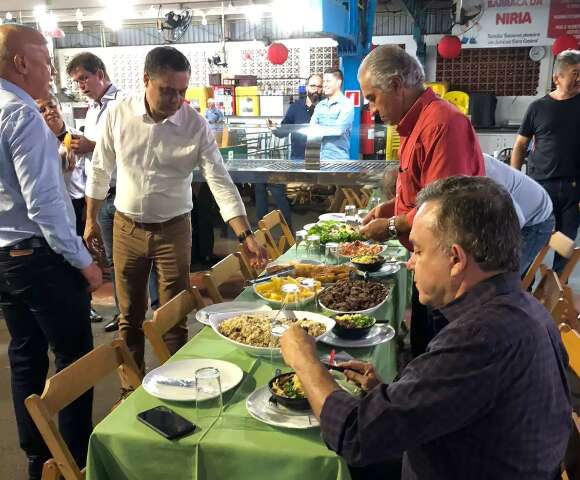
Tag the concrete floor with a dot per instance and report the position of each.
(12, 459)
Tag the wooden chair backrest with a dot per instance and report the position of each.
(276, 219)
(69, 384)
(571, 340)
(221, 272)
(265, 240)
(562, 245)
(549, 291)
(169, 315)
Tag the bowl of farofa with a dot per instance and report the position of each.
(251, 331)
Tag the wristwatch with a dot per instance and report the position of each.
(245, 234)
(392, 228)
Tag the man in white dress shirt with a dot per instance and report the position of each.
(155, 141)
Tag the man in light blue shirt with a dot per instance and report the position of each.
(532, 204)
(334, 116)
(45, 270)
(213, 115)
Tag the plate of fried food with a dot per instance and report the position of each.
(325, 274)
(359, 248)
(272, 291)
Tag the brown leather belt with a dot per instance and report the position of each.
(153, 226)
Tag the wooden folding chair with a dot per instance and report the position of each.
(223, 271)
(549, 291)
(562, 245)
(264, 239)
(68, 385)
(169, 315)
(276, 219)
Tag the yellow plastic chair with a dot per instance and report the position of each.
(459, 99)
(393, 143)
(439, 88)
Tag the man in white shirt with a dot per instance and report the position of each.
(89, 72)
(155, 141)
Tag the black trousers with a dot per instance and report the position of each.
(565, 195)
(79, 206)
(202, 215)
(45, 303)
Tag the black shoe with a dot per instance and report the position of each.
(113, 325)
(95, 317)
(211, 260)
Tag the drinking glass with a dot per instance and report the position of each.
(361, 214)
(350, 215)
(331, 253)
(208, 398)
(309, 284)
(313, 247)
(300, 239)
(374, 202)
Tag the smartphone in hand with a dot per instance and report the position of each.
(166, 422)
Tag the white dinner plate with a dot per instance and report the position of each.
(204, 315)
(337, 217)
(230, 376)
(380, 333)
(260, 408)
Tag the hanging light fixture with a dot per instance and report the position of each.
(79, 16)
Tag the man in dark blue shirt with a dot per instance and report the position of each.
(489, 398)
(297, 117)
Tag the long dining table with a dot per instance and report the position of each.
(232, 445)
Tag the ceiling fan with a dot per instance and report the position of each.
(173, 26)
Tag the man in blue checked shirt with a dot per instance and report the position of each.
(334, 116)
(489, 398)
(46, 273)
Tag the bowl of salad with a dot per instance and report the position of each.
(368, 263)
(353, 326)
(333, 231)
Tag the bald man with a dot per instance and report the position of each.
(46, 273)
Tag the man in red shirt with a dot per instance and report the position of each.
(437, 141)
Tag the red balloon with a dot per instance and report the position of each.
(564, 42)
(449, 46)
(277, 53)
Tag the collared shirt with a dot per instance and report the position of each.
(215, 117)
(437, 141)
(297, 118)
(335, 116)
(155, 163)
(95, 121)
(532, 203)
(488, 400)
(33, 197)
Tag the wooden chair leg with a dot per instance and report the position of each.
(50, 470)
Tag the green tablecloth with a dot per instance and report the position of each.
(235, 445)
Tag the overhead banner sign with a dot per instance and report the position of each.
(564, 18)
(505, 23)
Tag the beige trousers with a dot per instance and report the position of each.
(136, 247)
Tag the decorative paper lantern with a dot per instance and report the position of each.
(449, 46)
(277, 53)
(564, 42)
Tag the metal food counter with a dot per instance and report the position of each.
(327, 172)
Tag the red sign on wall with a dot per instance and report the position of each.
(564, 18)
(354, 95)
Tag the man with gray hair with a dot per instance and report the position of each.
(458, 410)
(437, 141)
(553, 121)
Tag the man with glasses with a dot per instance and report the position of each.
(89, 72)
(297, 117)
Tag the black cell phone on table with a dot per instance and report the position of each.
(166, 422)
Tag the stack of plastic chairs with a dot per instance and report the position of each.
(393, 143)
(459, 99)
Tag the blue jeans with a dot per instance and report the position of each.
(45, 305)
(106, 218)
(534, 238)
(565, 195)
(278, 194)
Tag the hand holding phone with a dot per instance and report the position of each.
(166, 422)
